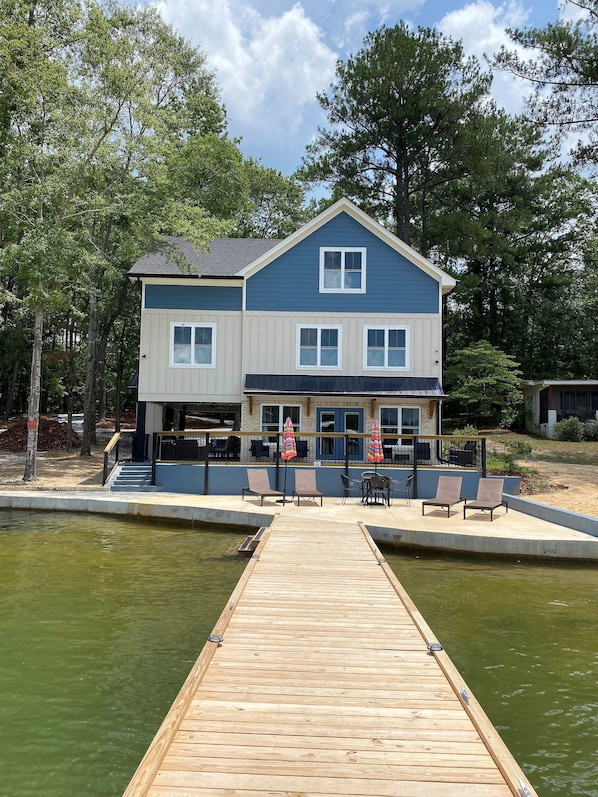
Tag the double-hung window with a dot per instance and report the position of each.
(318, 346)
(399, 420)
(275, 415)
(193, 345)
(386, 347)
(342, 270)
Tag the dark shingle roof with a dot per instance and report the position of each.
(225, 258)
(406, 386)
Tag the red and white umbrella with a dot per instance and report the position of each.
(375, 451)
(289, 450)
(289, 447)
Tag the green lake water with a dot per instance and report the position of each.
(101, 620)
(523, 636)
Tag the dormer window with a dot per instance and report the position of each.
(342, 270)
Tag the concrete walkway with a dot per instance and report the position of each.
(512, 534)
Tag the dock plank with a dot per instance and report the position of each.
(323, 685)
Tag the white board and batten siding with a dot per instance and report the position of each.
(281, 331)
(160, 381)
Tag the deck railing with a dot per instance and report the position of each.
(350, 449)
(119, 449)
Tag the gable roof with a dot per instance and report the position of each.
(344, 205)
(242, 257)
(225, 257)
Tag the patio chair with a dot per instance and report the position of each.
(448, 493)
(422, 452)
(489, 497)
(403, 488)
(305, 485)
(378, 490)
(351, 486)
(259, 484)
(301, 446)
(259, 450)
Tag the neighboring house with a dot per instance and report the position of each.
(550, 400)
(338, 324)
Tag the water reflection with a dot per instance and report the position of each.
(523, 636)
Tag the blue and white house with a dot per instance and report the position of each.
(336, 325)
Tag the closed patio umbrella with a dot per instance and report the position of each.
(375, 451)
(289, 450)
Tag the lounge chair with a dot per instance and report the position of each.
(305, 485)
(448, 493)
(489, 497)
(259, 484)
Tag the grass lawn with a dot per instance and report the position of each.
(583, 453)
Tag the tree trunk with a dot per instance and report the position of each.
(89, 408)
(34, 397)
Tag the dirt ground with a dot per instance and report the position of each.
(573, 487)
(54, 470)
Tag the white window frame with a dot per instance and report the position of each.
(281, 417)
(319, 328)
(343, 250)
(399, 409)
(386, 328)
(193, 326)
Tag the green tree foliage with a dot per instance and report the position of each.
(483, 382)
(95, 100)
(563, 67)
(404, 117)
(516, 251)
(275, 204)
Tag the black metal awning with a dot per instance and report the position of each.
(291, 384)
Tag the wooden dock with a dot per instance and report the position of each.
(318, 681)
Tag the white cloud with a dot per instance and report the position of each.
(269, 68)
(481, 26)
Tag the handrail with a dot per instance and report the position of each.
(112, 446)
(113, 453)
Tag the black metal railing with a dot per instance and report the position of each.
(119, 449)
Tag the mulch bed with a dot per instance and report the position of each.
(52, 436)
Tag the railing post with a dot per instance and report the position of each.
(277, 463)
(154, 457)
(206, 472)
(415, 467)
(484, 460)
(346, 453)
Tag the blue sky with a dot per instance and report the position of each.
(272, 57)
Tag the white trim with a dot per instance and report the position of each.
(386, 328)
(299, 326)
(343, 251)
(281, 418)
(192, 325)
(399, 408)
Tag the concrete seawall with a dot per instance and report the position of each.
(518, 533)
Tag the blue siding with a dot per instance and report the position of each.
(193, 297)
(393, 283)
